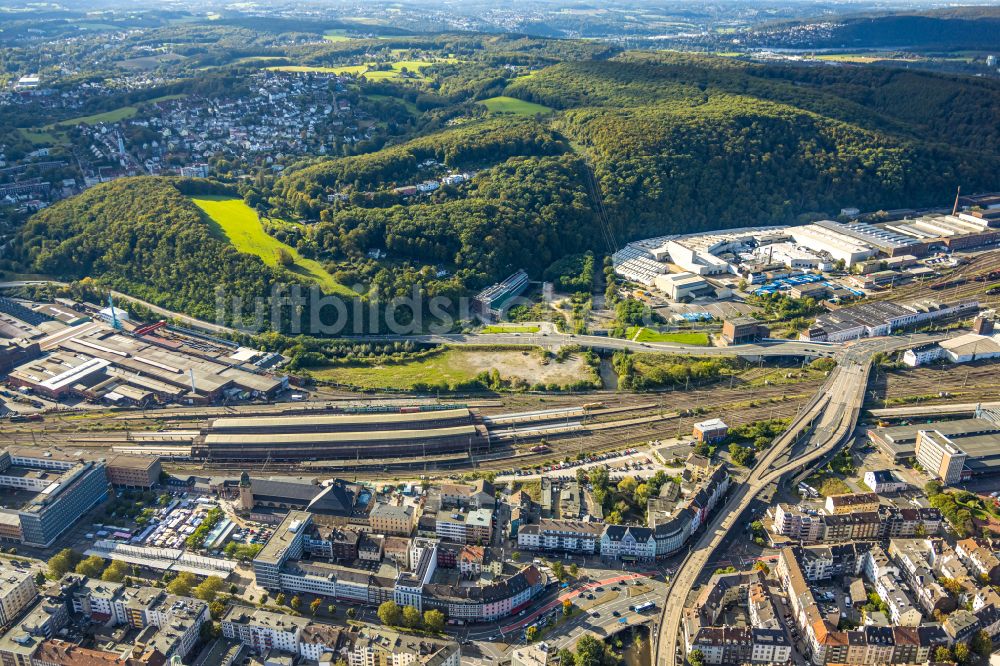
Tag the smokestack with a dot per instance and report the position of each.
(954, 209)
(194, 389)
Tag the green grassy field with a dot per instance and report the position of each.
(41, 137)
(683, 338)
(240, 224)
(338, 35)
(167, 98)
(344, 69)
(514, 106)
(411, 66)
(51, 134)
(456, 366)
(112, 116)
(509, 329)
(410, 106)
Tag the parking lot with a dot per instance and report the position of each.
(631, 461)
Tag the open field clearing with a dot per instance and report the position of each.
(112, 116)
(509, 329)
(343, 69)
(244, 230)
(338, 35)
(410, 106)
(457, 366)
(40, 137)
(398, 70)
(514, 106)
(681, 337)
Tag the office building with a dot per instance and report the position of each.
(66, 489)
(710, 431)
(133, 471)
(743, 330)
(940, 456)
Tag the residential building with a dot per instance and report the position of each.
(850, 503)
(475, 526)
(628, 543)
(55, 652)
(902, 611)
(884, 481)
(392, 519)
(17, 592)
(262, 630)
(980, 559)
(561, 536)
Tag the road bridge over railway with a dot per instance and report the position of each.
(825, 423)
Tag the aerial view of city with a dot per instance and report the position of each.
(541, 333)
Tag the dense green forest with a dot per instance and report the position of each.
(668, 142)
(303, 190)
(143, 237)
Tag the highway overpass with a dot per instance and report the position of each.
(827, 421)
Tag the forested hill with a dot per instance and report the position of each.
(949, 29)
(676, 143)
(682, 143)
(143, 237)
(473, 144)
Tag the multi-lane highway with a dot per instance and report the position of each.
(826, 422)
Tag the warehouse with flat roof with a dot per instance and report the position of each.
(342, 422)
(979, 438)
(341, 445)
(97, 363)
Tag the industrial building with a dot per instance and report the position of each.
(982, 343)
(828, 241)
(956, 232)
(15, 352)
(96, 363)
(493, 301)
(635, 264)
(886, 241)
(712, 430)
(882, 318)
(680, 286)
